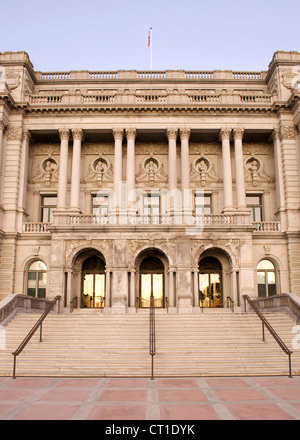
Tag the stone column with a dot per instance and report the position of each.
(172, 159)
(171, 288)
(132, 288)
(196, 287)
(279, 178)
(239, 169)
(75, 183)
(185, 169)
(2, 127)
(227, 175)
(63, 169)
(24, 171)
(130, 166)
(107, 288)
(118, 136)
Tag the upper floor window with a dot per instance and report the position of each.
(48, 204)
(151, 207)
(255, 204)
(203, 204)
(100, 204)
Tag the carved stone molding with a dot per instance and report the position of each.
(131, 133)
(64, 134)
(172, 133)
(238, 133)
(287, 132)
(118, 133)
(225, 133)
(14, 133)
(77, 134)
(185, 133)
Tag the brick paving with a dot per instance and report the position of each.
(203, 398)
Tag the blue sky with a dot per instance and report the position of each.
(63, 35)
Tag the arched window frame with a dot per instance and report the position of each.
(270, 289)
(38, 277)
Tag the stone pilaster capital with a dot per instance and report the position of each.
(26, 135)
(118, 133)
(77, 134)
(130, 133)
(287, 131)
(238, 133)
(275, 134)
(2, 126)
(64, 134)
(14, 133)
(224, 133)
(172, 133)
(185, 133)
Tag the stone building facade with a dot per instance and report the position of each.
(116, 185)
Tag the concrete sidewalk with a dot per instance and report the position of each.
(205, 398)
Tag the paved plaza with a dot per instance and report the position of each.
(197, 398)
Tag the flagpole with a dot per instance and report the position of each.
(150, 37)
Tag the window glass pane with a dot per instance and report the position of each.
(261, 278)
(266, 265)
(38, 265)
(41, 293)
(262, 291)
(42, 279)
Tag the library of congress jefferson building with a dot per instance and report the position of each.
(119, 185)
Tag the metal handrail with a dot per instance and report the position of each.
(152, 342)
(271, 330)
(38, 324)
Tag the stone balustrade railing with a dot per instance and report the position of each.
(267, 226)
(150, 97)
(150, 74)
(165, 219)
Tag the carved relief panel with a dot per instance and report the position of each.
(204, 167)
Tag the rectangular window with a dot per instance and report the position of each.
(48, 204)
(203, 203)
(255, 204)
(100, 204)
(151, 208)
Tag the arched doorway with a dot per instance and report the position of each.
(151, 281)
(93, 282)
(210, 282)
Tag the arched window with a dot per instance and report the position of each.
(37, 279)
(266, 279)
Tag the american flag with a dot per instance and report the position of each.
(149, 37)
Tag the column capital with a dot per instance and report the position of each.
(130, 133)
(225, 133)
(77, 134)
(64, 134)
(238, 133)
(185, 133)
(118, 133)
(172, 133)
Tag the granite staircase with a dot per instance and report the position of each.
(88, 343)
